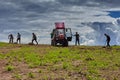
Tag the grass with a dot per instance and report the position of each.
(69, 63)
(31, 75)
(9, 68)
(17, 77)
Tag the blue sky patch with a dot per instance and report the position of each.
(114, 14)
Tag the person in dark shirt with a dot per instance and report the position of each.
(34, 38)
(18, 38)
(77, 38)
(107, 40)
(10, 37)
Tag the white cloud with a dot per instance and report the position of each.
(88, 42)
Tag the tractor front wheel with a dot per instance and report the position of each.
(65, 43)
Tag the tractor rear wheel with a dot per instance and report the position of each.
(53, 43)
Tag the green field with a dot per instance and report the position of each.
(44, 62)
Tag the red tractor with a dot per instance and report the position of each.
(61, 35)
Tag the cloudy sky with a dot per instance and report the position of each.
(90, 18)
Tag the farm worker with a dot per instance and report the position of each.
(18, 38)
(10, 37)
(107, 40)
(34, 38)
(77, 38)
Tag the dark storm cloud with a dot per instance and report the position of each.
(22, 11)
(91, 3)
(36, 6)
(24, 7)
(72, 2)
(12, 7)
(111, 3)
(32, 8)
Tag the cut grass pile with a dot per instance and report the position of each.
(44, 62)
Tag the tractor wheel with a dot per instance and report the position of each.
(65, 43)
(53, 43)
